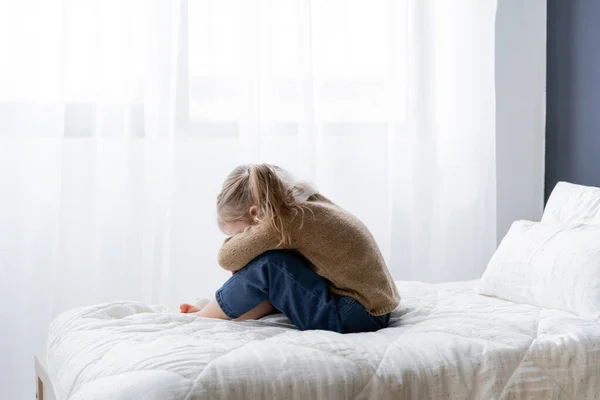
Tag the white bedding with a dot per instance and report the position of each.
(445, 342)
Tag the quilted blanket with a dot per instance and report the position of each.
(444, 342)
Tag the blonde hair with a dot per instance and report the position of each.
(273, 190)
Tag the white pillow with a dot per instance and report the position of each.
(547, 265)
(574, 204)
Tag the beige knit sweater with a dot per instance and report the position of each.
(339, 246)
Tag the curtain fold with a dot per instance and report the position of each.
(120, 119)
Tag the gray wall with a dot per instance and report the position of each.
(520, 110)
(573, 93)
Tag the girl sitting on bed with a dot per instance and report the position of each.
(293, 250)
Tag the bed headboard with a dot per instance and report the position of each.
(573, 93)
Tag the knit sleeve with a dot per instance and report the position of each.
(238, 250)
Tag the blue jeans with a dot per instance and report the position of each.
(286, 279)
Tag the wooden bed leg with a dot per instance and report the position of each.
(40, 389)
(43, 385)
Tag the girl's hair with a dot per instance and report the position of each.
(273, 190)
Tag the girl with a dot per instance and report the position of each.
(294, 251)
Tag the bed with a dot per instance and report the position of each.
(444, 342)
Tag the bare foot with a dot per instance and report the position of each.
(188, 308)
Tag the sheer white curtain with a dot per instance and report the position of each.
(120, 118)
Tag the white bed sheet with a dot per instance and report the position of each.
(444, 342)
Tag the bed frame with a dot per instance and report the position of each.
(44, 388)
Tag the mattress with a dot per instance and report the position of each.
(444, 342)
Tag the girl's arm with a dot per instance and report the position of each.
(238, 250)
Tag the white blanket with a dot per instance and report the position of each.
(444, 342)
